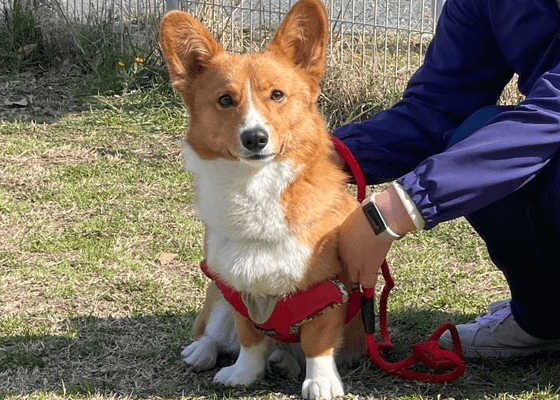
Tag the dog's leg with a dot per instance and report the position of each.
(214, 333)
(354, 349)
(251, 363)
(319, 340)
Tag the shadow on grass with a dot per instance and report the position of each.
(140, 357)
(48, 96)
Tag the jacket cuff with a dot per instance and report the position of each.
(410, 207)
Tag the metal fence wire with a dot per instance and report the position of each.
(386, 39)
(383, 41)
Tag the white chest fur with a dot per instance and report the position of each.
(248, 240)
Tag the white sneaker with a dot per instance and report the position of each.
(496, 334)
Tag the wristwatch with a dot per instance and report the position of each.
(377, 222)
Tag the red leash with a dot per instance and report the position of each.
(446, 365)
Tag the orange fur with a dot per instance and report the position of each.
(246, 332)
(320, 336)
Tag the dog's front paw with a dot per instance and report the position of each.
(201, 355)
(322, 380)
(322, 388)
(235, 376)
(248, 368)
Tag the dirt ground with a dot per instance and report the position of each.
(40, 96)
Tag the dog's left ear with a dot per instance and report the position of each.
(303, 38)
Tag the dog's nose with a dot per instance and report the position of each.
(254, 139)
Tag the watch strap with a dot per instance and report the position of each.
(377, 221)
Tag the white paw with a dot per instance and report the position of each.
(322, 380)
(321, 389)
(235, 376)
(248, 368)
(201, 355)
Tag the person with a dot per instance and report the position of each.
(452, 152)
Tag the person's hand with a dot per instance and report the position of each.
(361, 251)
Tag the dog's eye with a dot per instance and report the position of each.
(277, 95)
(225, 101)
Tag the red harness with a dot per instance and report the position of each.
(294, 310)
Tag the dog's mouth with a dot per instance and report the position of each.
(260, 156)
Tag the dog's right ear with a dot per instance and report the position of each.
(187, 47)
(303, 37)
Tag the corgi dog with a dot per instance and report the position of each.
(271, 198)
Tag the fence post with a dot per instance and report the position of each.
(171, 5)
(439, 6)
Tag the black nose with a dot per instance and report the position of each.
(254, 139)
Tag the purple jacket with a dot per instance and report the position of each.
(478, 46)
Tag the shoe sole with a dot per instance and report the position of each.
(472, 353)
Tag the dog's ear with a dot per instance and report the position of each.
(188, 48)
(303, 37)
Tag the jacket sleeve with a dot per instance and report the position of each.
(494, 161)
(464, 71)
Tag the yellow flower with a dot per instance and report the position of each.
(139, 60)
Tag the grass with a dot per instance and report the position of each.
(94, 203)
(89, 202)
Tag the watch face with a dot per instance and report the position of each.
(375, 218)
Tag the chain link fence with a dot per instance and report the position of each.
(385, 38)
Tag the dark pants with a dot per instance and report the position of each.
(522, 233)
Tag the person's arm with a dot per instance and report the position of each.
(463, 71)
(439, 97)
(493, 162)
(360, 250)
(513, 147)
